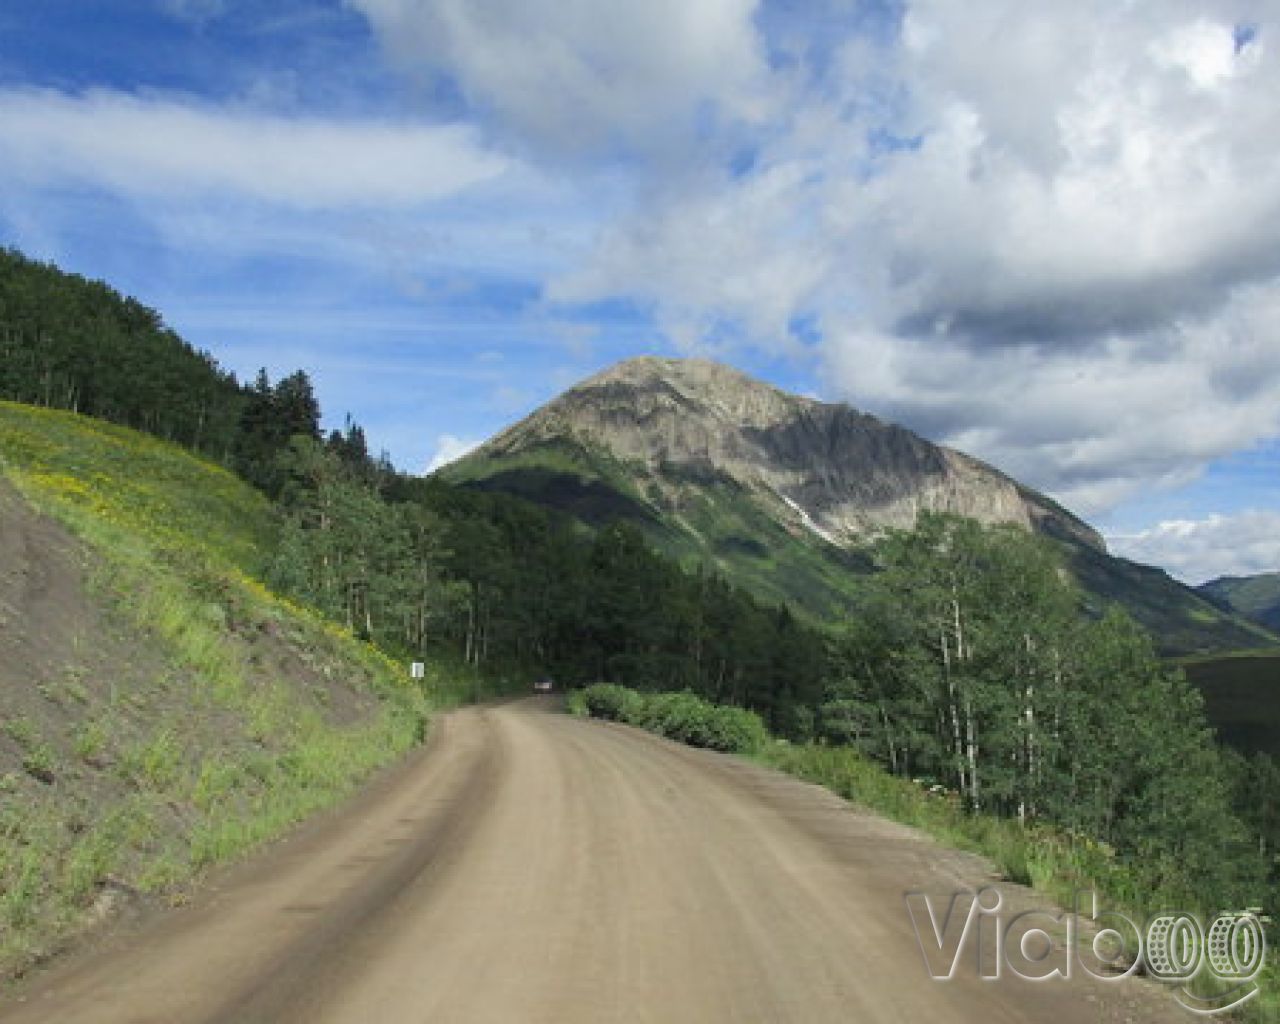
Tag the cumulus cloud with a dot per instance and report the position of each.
(706, 250)
(450, 448)
(156, 147)
(1197, 550)
(1094, 426)
(1042, 232)
(584, 76)
(1082, 170)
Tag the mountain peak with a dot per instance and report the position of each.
(715, 388)
(692, 371)
(693, 430)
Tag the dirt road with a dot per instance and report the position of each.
(530, 867)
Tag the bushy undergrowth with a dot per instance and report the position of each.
(609, 701)
(683, 717)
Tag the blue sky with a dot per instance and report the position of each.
(449, 210)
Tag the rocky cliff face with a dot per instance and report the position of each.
(821, 467)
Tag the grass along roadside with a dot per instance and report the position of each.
(1042, 857)
(241, 714)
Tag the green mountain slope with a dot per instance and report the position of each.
(713, 521)
(782, 493)
(160, 709)
(1255, 597)
(1181, 619)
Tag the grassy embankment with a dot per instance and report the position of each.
(232, 713)
(1047, 859)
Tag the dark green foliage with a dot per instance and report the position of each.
(272, 417)
(1242, 698)
(537, 594)
(611, 702)
(70, 343)
(591, 501)
(372, 565)
(689, 719)
(1256, 789)
(1180, 620)
(974, 668)
(683, 717)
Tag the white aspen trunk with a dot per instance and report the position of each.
(471, 618)
(952, 708)
(971, 751)
(1029, 714)
(962, 654)
(888, 736)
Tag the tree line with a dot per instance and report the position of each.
(70, 343)
(67, 342)
(515, 590)
(972, 666)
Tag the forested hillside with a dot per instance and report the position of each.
(70, 343)
(516, 590)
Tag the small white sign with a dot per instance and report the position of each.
(418, 670)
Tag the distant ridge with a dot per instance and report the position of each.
(1256, 597)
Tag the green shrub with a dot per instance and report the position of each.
(612, 702)
(90, 738)
(39, 762)
(684, 717)
(155, 764)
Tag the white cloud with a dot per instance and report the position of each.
(1095, 426)
(153, 147)
(450, 448)
(1203, 549)
(582, 76)
(705, 249)
(1042, 232)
